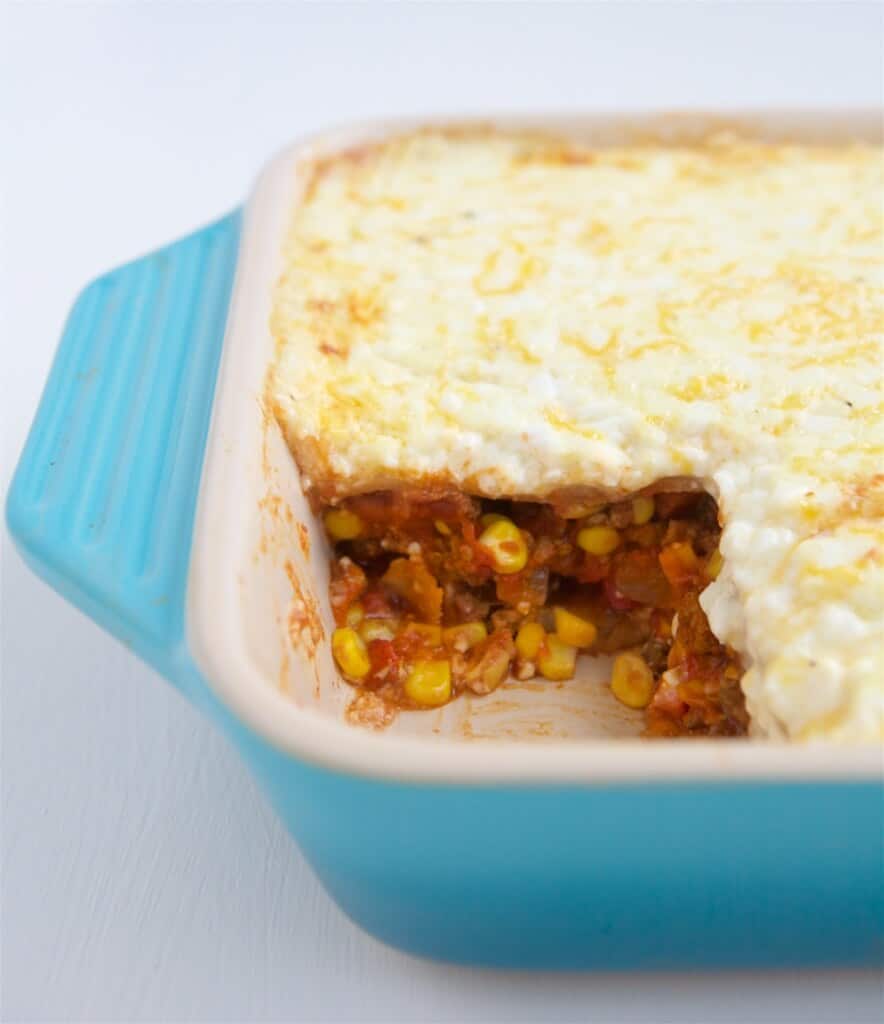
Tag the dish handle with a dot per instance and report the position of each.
(102, 501)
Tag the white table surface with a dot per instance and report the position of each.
(143, 877)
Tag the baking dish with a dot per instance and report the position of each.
(528, 829)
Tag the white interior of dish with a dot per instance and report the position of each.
(252, 583)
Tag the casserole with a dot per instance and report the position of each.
(527, 831)
(517, 371)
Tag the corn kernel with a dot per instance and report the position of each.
(442, 527)
(342, 524)
(506, 545)
(378, 629)
(714, 565)
(632, 681)
(571, 629)
(556, 660)
(350, 654)
(642, 510)
(432, 634)
(491, 517)
(598, 540)
(528, 640)
(464, 637)
(429, 683)
(355, 614)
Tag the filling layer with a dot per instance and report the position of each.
(434, 595)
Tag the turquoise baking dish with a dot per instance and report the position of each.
(156, 494)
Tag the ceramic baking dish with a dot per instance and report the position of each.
(528, 828)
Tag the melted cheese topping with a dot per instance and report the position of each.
(512, 316)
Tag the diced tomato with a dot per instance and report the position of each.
(377, 604)
(381, 654)
(528, 586)
(615, 599)
(667, 701)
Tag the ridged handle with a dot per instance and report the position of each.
(103, 499)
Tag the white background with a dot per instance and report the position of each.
(143, 877)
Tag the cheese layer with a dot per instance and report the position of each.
(514, 315)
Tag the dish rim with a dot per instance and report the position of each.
(309, 734)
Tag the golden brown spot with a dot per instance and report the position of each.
(794, 401)
(331, 350)
(659, 346)
(364, 308)
(506, 271)
(609, 349)
(600, 237)
(560, 423)
(709, 387)
(504, 334)
(552, 151)
(862, 499)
